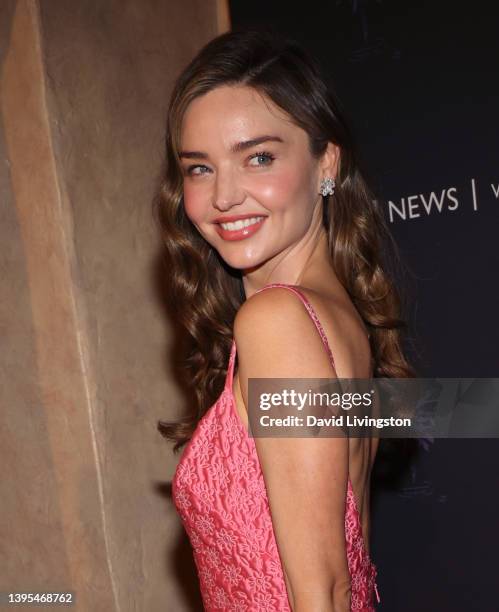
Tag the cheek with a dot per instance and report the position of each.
(290, 188)
(194, 203)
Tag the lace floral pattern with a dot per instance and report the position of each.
(220, 495)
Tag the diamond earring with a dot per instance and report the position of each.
(327, 186)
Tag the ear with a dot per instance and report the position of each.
(329, 161)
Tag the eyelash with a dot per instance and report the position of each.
(258, 154)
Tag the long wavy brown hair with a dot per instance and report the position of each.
(205, 294)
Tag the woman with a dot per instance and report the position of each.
(263, 211)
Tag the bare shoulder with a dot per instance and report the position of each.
(276, 337)
(269, 307)
(275, 325)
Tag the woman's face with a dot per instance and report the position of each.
(251, 184)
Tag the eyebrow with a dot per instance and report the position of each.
(236, 148)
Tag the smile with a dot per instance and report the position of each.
(237, 225)
(240, 229)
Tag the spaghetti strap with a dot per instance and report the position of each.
(230, 367)
(313, 316)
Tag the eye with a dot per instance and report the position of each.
(267, 158)
(190, 170)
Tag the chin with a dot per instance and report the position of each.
(240, 261)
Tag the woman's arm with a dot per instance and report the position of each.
(306, 478)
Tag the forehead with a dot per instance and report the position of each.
(231, 113)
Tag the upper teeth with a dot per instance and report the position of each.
(237, 225)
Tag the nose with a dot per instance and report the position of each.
(227, 190)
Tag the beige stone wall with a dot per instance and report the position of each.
(84, 372)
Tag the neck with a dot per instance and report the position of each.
(291, 267)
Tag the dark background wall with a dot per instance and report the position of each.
(419, 83)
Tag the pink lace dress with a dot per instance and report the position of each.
(219, 492)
